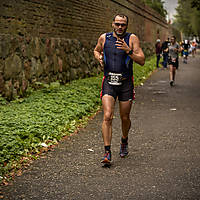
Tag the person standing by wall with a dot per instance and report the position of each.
(174, 49)
(116, 52)
(158, 52)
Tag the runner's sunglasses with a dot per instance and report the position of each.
(122, 25)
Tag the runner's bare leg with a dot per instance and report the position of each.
(125, 108)
(108, 109)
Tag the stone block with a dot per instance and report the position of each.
(73, 74)
(39, 68)
(2, 88)
(8, 90)
(5, 47)
(27, 69)
(13, 66)
(1, 66)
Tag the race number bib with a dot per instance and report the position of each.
(114, 78)
(173, 60)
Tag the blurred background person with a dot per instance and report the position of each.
(185, 48)
(174, 49)
(193, 48)
(158, 52)
(165, 52)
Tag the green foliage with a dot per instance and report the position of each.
(195, 4)
(157, 5)
(2, 100)
(46, 115)
(50, 113)
(141, 73)
(188, 17)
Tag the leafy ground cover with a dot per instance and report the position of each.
(48, 114)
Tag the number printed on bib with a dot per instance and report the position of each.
(114, 78)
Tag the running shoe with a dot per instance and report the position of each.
(107, 158)
(123, 150)
(171, 83)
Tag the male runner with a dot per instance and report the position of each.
(116, 52)
(174, 49)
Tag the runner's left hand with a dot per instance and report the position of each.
(121, 44)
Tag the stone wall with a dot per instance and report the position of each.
(49, 40)
(27, 60)
(80, 19)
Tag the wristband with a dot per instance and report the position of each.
(130, 52)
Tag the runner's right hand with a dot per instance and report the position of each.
(101, 61)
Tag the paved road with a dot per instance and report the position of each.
(164, 146)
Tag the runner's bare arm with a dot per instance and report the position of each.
(137, 55)
(179, 49)
(98, 50)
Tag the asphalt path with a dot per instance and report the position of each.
(164, 150)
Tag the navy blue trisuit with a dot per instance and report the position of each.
(117, 61)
